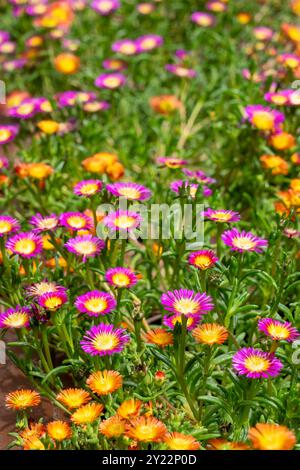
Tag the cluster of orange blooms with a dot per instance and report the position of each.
(128, 423)
(104, 163)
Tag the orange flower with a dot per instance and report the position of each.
(67, 63)
(243, 18)
(282, 141)
(104, 382)
(33, 430)
(53, 262)
(295, 185)
(37, 171)
(99, 162)
(295, 158)
(276, 164)
(179, 441)
(33, 443)
(165, 104)
(48, 126)
(160, 337)
(146, 429)
(15, 98)
(271, 437)
(57, 14)
(22, 399)
(59, 430)
(129, 408)
(87, 413)
(222, 444)
(210, 333)
(115, 171)
(73, 397)
(112, 427)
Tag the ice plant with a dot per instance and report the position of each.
(8, 133)
(121, 277)
(86, 246)
(53, 300)
(112, 427)
(18, 317)
(129, 408)
(122, 220)
(104, 339)
(73, 397)
(8, 225)
(131, 191)
(37, 289)
(22, 399)
(44, 223)
(187, 302)
(110, 80)
(191, 321)
(210, 333)
(278, 330)
(75, 221)
(160, 337)
(203, 259)
(25, 244)
(203, 19)
(95, 303)
(221, 215)
(59, 430)
(87, 188)
(146, 429)
(104, 382)
(243, 241)
(180, 441)
(87, 413)
(254, 363)
(264, 118)
(265, 436)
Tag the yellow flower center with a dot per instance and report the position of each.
(120, 279)
(148, 43)
(202, 261)
(222, 216)
(105, 6)
(89, 188)
(4, 134)
(278, 331)
(25, 246)
(124, 221)
(130, 193)
(96, 304)
(5, 226)
(243, 243)
(25, 109)
(112, 82)
(16, 320)
(105, 342)
(263, 120)
(186, 306)
(256, 364)
(279, 99)
(76, 221)
(85, 248)
(128, 48)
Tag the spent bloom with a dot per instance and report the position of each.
(43, 223)
(243, 241)
(104, 339)
(278, 330)
(254, 363)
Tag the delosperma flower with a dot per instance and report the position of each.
(172, 162)
(223, 444)
(179, 441)
(146, 429)
(73, 397)
(87, 188)
(264, 118)
(269, 436)
(53, 300)
(255, 364)
(160, 337)
(263, 33)
(243, 241)
(104, 339)
(121, 277)
(105, 7)
(22, 399)
(104, 382)
(187, 302)
(180, 71)
(278, 330)
(210, 333)
(8, 133)
(122, 220)
(44, 223)
(8, 225)
(95, 303)
(191, 321)
(25, 244)
(203, 259)
(221, 215)
(129, 408)
(95, 106)
(3, 162)
(87, 413)
(110, 80)
(18, 317)
(148, 42)
(203, 19)
(59, 430)
(126, 47)
(112, 427)
(190, 188)
(86, 246)
(75, 221)
(131, 191)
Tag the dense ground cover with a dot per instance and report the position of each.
(142, 339)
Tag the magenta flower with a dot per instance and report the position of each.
(14, 64)
(148, 42)
(4, 36)
(95, 106)
(191, 321)
(105, 7)
(121, 277)
(8, 225)
(103, 340)
(25, 244)
(203, 19)
(280, 98)
(264, 118)
(25, 110)
(187, 302)
(3, 162)
(221, 215)
(263, 33)
(76, 221)
(43, 223)
(114, 64)
(181, 71)
(243, 241)
(95, 303)
(199, 176)
(190, 188)
(8, 133)
(18, 317)
(85, 245)
(278, 330)
(203, 259)
(53, 300)
(125, 46)
(256, 364)
(132, 191)
(71, 98)
(87, 188)
(172, 162)
(110, 80)
(216, 5)
(122, 220)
